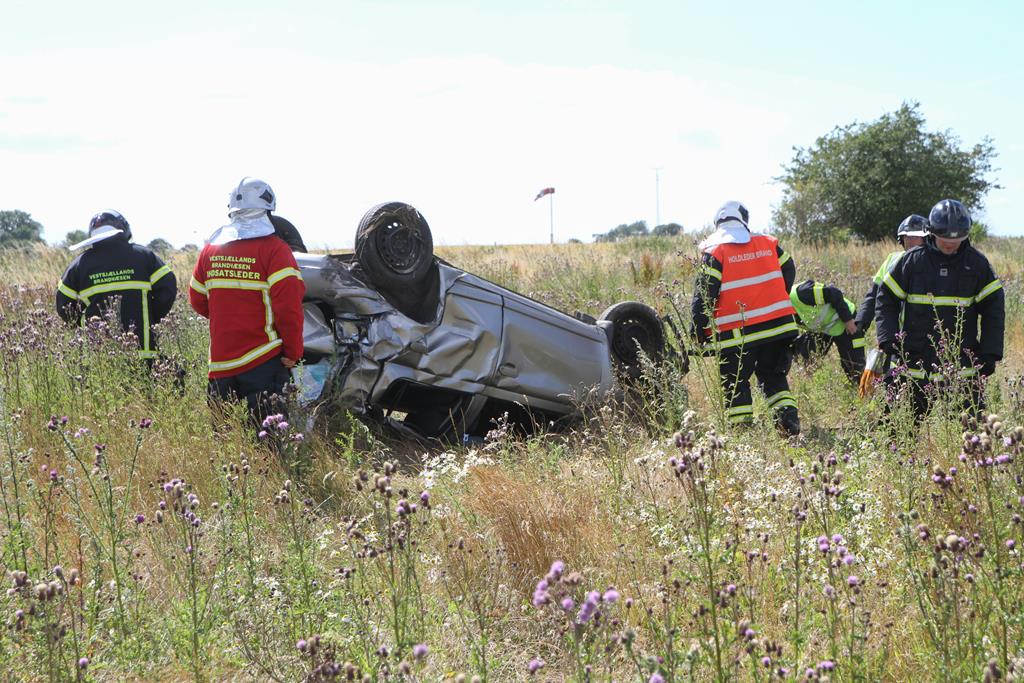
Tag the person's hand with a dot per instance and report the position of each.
(988, 366)
(851, 327)
(287, 362)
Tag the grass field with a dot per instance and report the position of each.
(145, 539)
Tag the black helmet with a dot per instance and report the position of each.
(113, 218)
(949, 219)
(912, 226)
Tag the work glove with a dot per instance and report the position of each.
(988, 366)
(871, 375)
(889, 348)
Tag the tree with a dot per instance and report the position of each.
(161, 246)
(74, 237)
(667, 230)
(17, 227)
(622, 231)
(190, 248)
(864, 178)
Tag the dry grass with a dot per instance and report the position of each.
(538, 520)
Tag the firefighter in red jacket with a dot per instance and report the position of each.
(248, 284)
(743, 284)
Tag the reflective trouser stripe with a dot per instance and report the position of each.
(738, 414)
(781, 399)
(858, 342)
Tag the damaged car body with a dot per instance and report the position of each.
(393, 330)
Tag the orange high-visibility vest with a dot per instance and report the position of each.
(753, 290)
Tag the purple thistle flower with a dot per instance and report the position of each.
(419, 651)
(568, 604)
(853, 581)
(140, 518)
(610, 596)
(827, 665)
(83, 663)
(302, 645)
(656, 678)
(766, 661)
(263, 434)
(283, 426)
(425, 497)
(556, 571)
(1011, 544)
(535, 665)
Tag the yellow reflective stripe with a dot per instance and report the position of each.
(223, 283)
(858, 342)
(819, 294)
(963, 373)
(268, 327)
(67, 291)
(159, 273)
(247, 358)
(781, 396)
(785, 257)
(932, 300)
(738, 339)
(894, 286)
(989, 288)
(282, 274)
(143, 353)
(713, 272)
(198, 286)
(740, 410)
(741, 418)
(124, 285)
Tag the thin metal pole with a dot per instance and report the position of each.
(551, 207)
(657, 196)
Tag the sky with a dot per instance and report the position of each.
(467, 109)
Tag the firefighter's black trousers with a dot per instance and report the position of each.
(770, 361)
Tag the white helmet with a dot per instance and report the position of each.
(732, 211)
(252, 193)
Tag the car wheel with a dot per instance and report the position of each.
(394, 246)
(635, 327)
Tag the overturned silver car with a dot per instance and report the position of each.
(401, 337)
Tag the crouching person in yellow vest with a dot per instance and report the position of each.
(741, 306)
(827, 318)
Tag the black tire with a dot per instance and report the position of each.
(635, 327)
(394, 246)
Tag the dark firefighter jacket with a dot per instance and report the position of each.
(117, 273)
(954, 297)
